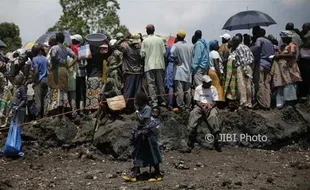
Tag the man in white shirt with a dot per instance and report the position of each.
(153, 51)
(205, 96)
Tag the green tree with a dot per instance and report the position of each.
(89, 16)
(9, 34)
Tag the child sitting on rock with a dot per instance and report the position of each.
(146, 151)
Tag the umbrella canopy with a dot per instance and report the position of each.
(45, 38)
(2, 44)
(28, 45)
(248, 20)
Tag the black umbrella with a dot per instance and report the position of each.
(45, 37)
(248, 20)
(2, 44)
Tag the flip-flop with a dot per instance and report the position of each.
(129, 179)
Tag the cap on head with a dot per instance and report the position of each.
(206, 79)
(150, 27)
(77, 37)
(225, 36)
(119, 35)
(181, 33)
(134, 39)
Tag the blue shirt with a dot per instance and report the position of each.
(201, 55)
(41, 63)
(264, 49)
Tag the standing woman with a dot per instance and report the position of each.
(216, 69)
(95, 78)
(58, 74)
(285, 71)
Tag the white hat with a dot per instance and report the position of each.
(119, 35)
(77, 37)
(112, 42)
(225, 36)
(206, 79)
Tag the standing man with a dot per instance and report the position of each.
(182, 55)
(40, 64)
(262, 50)
(201, 58)
(153, 51)
(132, 67)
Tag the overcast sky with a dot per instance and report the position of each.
(34, 17)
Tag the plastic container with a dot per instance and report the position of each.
(96, 40)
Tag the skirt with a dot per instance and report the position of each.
(94, 86)
(57, 98)
(217, 84)
(230, 81)
(285, 72)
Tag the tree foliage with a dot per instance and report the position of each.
(9, 34)
(89, 16)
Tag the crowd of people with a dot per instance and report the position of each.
(245, 71)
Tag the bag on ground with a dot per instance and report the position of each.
(13, 144)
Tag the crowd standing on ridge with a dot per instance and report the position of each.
(243, 72)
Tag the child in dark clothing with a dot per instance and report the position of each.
(146, 151)
(19, 99)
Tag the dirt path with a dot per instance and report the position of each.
(232, 169)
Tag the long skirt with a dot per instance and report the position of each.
(216, 82)
(57, 98)
(230, 85)
(94, 86)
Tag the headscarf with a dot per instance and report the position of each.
(213, 44)
(286, 34)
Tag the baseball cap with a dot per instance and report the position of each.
(206, 79)
(181, 33)
(77, 37)
(225, 36)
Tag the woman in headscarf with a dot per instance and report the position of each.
(58, 74)
(285, 71)
(216, 69)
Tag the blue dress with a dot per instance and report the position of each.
(145, 147)
(169, 78)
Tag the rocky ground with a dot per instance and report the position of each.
(64, 155)
(234, 168)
